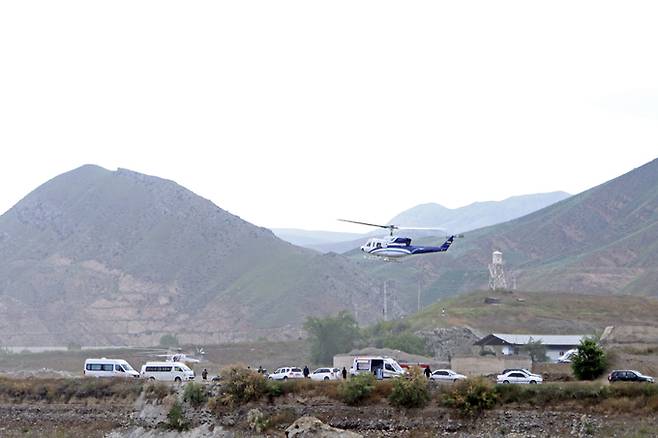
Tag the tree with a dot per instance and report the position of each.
(331, 335)
(536, 350)
(405, 341)
(169, 341)
(590, 361)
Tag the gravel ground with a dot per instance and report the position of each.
(380, 420)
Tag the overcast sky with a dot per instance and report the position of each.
(297, 113)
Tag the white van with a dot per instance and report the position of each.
(104, 367)
(371, 364)
(171, 371)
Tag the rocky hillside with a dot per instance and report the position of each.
(603, 240)
(120, 258)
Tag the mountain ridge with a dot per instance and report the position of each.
(453, 220)
(137, 256)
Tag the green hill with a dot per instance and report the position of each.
(603, 240)
(120, 258)
(537, 312)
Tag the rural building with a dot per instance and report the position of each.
(507, 344)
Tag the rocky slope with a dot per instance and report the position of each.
(104, 258)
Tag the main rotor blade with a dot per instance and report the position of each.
(422, 228)
(388, 227)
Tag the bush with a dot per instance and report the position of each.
(176, 419)
(157, 390)
(195, 394)
(242, 386)
(169, 341)
(357, 388)
(410, 393)
(590, 361)
(331, 335)
(471, 396)
(405, 341)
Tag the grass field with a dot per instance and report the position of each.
(538, 312)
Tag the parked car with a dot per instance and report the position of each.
(326, 374)
(286, 373)
(518, 377)
(108, 368)
(446, 376)
(167, 371)
(629, 376)
(384, 366)
(567, 357)
(521, 370)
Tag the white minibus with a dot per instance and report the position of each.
(170, 371)
(104, 367)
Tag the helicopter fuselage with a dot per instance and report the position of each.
(398, 247)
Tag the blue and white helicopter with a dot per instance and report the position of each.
(396, 247)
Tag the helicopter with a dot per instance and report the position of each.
(396, 247)
(178, 356)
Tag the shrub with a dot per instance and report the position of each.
(176, 419)
(169, 341)
(242, 386)
(157, 390)
(410, 393)
(471, 396)
(357, 388)
(590, 361)
(331, 335)
(195, 394)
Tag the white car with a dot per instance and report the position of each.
(286, 373)
(518, 377)
(446, 376)
(326, 374)
(568, 356)
(521, 370)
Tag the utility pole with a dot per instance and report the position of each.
(385, 302)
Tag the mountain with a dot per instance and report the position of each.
(454, 220)
(476, 215)
(120, 258)
(601, 241)
(312, 238)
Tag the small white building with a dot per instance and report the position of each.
(510, 344)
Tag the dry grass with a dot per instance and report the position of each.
(68, 390)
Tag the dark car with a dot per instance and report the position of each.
(629, 376)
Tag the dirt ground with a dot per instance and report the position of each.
(380, 420)
(270, 355)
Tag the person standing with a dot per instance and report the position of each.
(428, 372)
(344, 373)
(306, 372)
(204, 374)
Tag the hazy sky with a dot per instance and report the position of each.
(297, 113)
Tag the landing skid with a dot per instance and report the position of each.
(379, 258)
